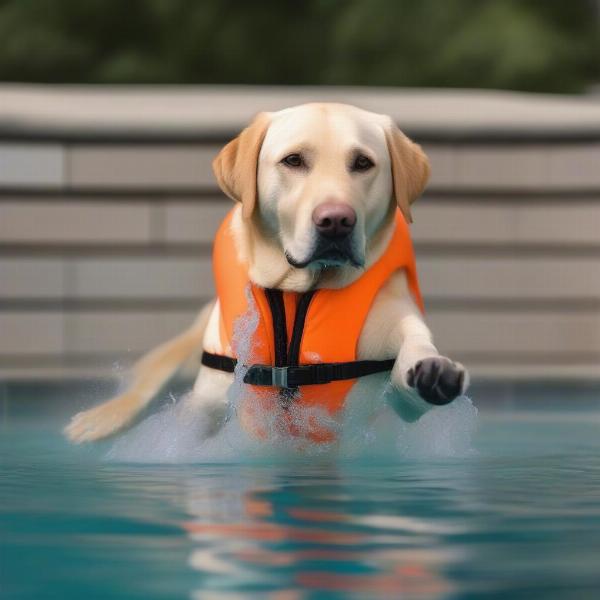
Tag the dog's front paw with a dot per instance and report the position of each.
(438, 380)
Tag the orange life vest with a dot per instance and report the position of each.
(320, 327)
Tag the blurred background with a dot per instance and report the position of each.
(530, 45)
(111, 112)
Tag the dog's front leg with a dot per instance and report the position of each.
(208, 399)
(421, 377)
(428, 378)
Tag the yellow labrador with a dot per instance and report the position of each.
(293, 171)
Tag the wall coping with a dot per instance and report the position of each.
(204, 114)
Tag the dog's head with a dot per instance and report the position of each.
(321, 181)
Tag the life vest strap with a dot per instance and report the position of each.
(218, 362)
(296, 376)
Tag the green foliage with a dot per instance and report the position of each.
(538, 45)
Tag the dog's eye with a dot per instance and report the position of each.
(293, 160)
(362, 163)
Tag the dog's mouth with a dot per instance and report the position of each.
(328, 253)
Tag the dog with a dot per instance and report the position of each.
(322, 192)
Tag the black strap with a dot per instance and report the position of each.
(287, 374)
(296, 376)
(298, 329)
(277, 307)
(218, 362)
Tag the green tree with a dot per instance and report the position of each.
(539, 45)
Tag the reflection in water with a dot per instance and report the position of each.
(259, 528)
(273, 533)
(518, 520)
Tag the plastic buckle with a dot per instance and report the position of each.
(279, 377)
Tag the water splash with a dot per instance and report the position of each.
(173, 436)
(242, 343)
(446, 431)
(368, 428)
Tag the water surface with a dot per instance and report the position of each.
(517, 518)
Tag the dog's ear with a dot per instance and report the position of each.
(410, 169)
(236, 166)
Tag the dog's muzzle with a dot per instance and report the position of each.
(329, 252)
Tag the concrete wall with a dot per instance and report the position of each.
(105, 244)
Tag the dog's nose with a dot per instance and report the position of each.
(334, 219)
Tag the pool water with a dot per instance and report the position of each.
(516, 516)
